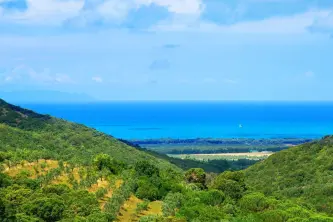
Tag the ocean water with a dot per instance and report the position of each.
(143, 120)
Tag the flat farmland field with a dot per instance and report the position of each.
(225, 156)
(217, 146)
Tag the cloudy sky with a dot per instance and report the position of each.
(169, 49)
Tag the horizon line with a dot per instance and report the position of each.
(167, 101)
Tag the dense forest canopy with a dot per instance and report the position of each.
(303, 174)
(54, 170)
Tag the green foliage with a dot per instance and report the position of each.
(147, 189)
(142, 206)
(101, 192)
(291, 186)
(254, 202)
(104, 161)
(274, 215)
(171, 203)
(151, 218)
(299, 173)
(5, 180)
(2, 208)
(154, 186)
(212, 197)
(21, 217)
(118, 198)
(97, 217)
(196, 175)
(211, 165)
(80, 203)
(145, 168)
(48, 209)
(26, 135)
(22, 118)
(231, 183)
(201, 212)
(60, 189)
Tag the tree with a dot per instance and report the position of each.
(254, 202)
(275, 215)
(97, 217)
(212, 197)
(104, 161)
(2, 208)
(148, 191)
(145, 168)
(231, 183)
(201, 212)
(59, 189)
(49, 209)
(21, 217)
(171, 203)
(5, 180)
(196, 175)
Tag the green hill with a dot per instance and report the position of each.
(303, 173)
(54, 170)
(43, 136)
(80, 142)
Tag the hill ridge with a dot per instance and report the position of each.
(303, 172)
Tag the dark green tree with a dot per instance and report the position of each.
(230, 183)
(196, 176)
(145, 168)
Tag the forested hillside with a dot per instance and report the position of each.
(34, 136)
(303, 173)
(54, 170)
(27, 130)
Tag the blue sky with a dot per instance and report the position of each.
(169, 49)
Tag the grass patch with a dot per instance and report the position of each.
(34, 168)
(128, 212)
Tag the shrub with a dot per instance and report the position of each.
(231, 183)
(254, 202)
(196, 175)
(145, 168)
(142, 206)
(171, 203)
(101, 192)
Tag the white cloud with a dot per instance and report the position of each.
(184, 16)
(8, 78)
(185, 7)
(55, 12)
(287, 24)
(230, 81)
(293, 24)
(27, 75)
(115, 9)
(48, 12)
(323, 24)
(309, 74)
(62, 78)
(97, 79)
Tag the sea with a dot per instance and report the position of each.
(184, 119)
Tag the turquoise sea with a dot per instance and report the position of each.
(142, 120)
